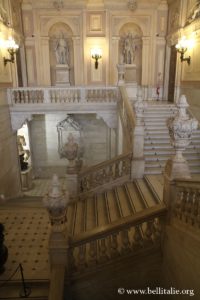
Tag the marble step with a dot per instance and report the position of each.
(154, 157)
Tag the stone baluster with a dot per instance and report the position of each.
(110, 172)
(26, 96)
(56, 202)
(137, 238)
(114, 246)
(53, 96)
(149, 231)
(22, 96)
(17, 97)
(138, 162)
(76, 97)
(82, 257)
(92, 259)
(181, 128)
(125, 241)
(117, 169)
(103, 251)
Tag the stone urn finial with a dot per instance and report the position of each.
(56, 201)
(181, 128)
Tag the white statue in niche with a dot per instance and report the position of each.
(62, 51)
(129, 49)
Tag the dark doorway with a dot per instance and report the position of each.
(172, 74)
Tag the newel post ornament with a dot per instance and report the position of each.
(181, 128)
(56, 201)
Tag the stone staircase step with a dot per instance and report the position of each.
(91, 213)
(136, 200)
(102, 212)
(156, 184)
(125, 201)
(149, 199)
(113, 207)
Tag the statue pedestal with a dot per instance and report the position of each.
(130, 73)
(62, 75)
(26, 179)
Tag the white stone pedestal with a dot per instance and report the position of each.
(26, 179)
(130, 73)
(177, 169)
(72, 184)
(62, 75)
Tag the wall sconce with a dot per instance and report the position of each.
(182, 47)
(96, 55)
(12, 47)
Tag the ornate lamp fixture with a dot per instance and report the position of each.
(182, 47)
(96, 55)
(12, 48)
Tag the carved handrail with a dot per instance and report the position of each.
(118, 238)
(105, 173)
(56, 95)
(127, 116)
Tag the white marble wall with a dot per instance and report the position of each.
(9, 170)
(97, 142)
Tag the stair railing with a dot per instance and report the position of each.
(108, 173)
(126, 236)
(184, 202)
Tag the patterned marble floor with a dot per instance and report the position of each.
(26, 236)
(42, 186)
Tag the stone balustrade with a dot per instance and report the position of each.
(54, 95)
(186, 205)
(100, 246)
(105, 173)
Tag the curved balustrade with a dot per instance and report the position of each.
(105, 173)
(103, 244)
(63, 95)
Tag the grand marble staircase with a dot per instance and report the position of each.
(104, 208)
(157, 146)
(107, 232)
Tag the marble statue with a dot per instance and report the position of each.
(129, 49)
(24, 154)
(62, 51)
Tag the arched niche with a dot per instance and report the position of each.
(131, 33)
(56, 31)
